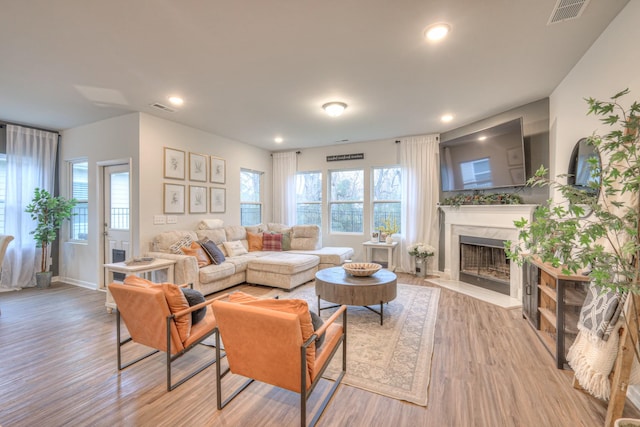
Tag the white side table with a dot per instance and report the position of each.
(369, 247)
(145, 270)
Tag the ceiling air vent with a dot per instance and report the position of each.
(162, 107)
(565, 10)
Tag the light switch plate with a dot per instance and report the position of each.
(159, 220)
(172, 219)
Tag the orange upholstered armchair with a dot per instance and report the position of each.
(159, 316)
(273, 341)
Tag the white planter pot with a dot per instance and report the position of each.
(627, 422)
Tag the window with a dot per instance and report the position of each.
(250, 197)
(3, 188)
(309, 198)
(346, 200)
(476, 173)
(79, 228)
(387, 194)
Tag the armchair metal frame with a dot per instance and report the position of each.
(170, 358)
(304, 393)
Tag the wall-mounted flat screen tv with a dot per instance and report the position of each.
(490, 158)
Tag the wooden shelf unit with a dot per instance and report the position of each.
(552, 303)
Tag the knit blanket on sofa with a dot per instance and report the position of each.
(595, 349)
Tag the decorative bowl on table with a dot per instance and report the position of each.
(361, 268)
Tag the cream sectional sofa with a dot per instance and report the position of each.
(281, 269)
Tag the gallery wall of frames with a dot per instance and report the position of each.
(199, 171)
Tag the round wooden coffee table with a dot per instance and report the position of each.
(337, 286)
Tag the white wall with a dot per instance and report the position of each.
(609, 66)
(112, 139)
(141, 138)
(376, 153)
(155, 134)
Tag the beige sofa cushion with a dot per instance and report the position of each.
(284, 263)
(217, 235)
(258, 228)
(206, 224)
(213, 272)
(164, 240)
(305, 237)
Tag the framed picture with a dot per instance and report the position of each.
(218, 170)
(173, 163)
(514, 156)
(173, 198)
(217, 200)
(197, 199)
(517, 175)
(197, 167)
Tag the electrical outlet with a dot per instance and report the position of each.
(159, 220)
(172, 219)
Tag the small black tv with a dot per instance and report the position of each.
(486, 159)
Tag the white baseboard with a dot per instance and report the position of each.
(76, 282)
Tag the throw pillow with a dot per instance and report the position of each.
(235, 248)
(184, 242)
(213, 251)
(196, 250)
(177, 302)
(194, 298)
(272, 242)
(255, 241)
(317, 323)
(286, 241)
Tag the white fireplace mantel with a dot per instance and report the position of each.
(489, 221)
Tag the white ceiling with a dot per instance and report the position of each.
(251, 70)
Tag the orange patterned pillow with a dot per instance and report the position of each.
(255, 241)
(196, 250)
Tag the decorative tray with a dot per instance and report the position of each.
(361, 268)
(139, 261)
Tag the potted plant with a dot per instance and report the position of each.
(49, 212)
(388, 229)
(599, 235)
(421, 252)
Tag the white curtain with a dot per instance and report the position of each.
(420, 176)
(285, 166)
(31, 161)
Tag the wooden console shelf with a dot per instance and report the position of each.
(552, 303)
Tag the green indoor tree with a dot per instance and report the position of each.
(597, 234)
(49, 212)
(606, 241)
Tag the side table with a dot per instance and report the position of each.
(145, 270)
(369, 247)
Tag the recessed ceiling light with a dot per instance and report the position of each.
(176, 100)
(482, 138)
(278, 139)
(437, 31)
(446, 118)
(334, 109)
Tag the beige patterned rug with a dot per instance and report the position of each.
(394, 359)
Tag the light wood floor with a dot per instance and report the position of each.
(58, 367)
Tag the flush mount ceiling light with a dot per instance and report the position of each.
(437, 31)
(334, 109)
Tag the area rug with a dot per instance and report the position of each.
(394, 359)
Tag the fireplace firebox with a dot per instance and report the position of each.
(484, 263)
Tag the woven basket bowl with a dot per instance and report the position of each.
(361, 268)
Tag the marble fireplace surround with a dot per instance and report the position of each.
(488, 221)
